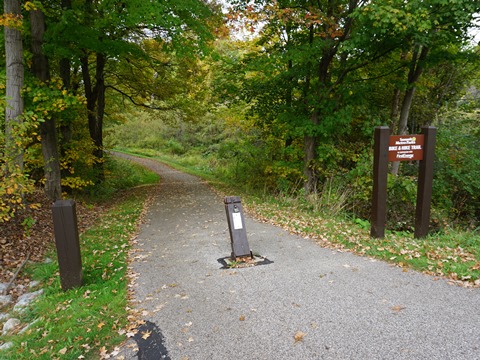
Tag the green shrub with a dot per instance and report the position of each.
(360, 180)
(401, 194)
(401, 202)
(120, 174)
(174, 147)
(456, 187)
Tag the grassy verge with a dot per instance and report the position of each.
(81, 323)
(450, 253)
(120, 174)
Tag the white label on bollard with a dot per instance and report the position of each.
(237, 221)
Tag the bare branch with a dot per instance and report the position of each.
(136, 103)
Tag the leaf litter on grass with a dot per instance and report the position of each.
(437, 255)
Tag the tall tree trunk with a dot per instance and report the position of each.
(288, 98)
(309, 140)
(310, 155)
(395, 110)
(97, 128)
(405, 111)
(48, 129)
(323, 88)
(95, 95)
(14, 84)
(416, 69)
(66, 130)
(397, 95)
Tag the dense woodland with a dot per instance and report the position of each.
(280, 97)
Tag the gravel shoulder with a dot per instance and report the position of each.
(309, 303)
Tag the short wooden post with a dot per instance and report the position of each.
(380, 176)
(67, 243)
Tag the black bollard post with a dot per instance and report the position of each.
(236, 226)
(67, 243)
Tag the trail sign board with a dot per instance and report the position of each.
(405, 147)
(402, 148)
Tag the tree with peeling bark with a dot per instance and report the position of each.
(14, 83)
(13, 177)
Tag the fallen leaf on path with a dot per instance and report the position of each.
(299, 335)
(398, 308)
(146, 335)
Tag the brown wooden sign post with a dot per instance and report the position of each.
(387, 148)
(425, 181)
(380, 172)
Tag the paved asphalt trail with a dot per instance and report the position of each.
(339, 305)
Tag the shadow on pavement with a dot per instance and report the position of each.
(150, 343)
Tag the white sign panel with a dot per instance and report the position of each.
(237, 221)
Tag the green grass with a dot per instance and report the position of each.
(120, 174)
(81, 322)
(194, 165)
(452, 253)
